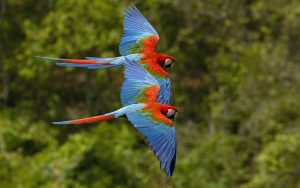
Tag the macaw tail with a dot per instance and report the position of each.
(90, 62)
(94, 119)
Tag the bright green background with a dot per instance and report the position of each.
(236, 83)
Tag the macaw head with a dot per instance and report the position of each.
(165, 61)
(169, 111)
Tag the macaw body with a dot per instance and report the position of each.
(138, 44)
(154, 120)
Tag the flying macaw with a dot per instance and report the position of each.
(154, 120)
(138, 43)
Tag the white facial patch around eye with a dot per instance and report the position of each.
(168, 62)
(170, 112)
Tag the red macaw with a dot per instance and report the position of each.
(154, 120)
(138, 43)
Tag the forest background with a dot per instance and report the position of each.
(236, 83)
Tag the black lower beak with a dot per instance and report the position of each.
(172, 117)
(168, 66)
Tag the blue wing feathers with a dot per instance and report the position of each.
(136, 79)
(136, 27)
(172, 166)
(135, 21)
(169, 154)
(165, 156)
(160, 137)
(162, 150)
(164, 95)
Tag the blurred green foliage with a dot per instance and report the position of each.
(236, 84)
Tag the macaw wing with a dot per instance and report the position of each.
(160, 136)
(139, 86)
(164, 95)
(139, 35)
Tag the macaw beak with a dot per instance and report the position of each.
(168, 67)
(172, 117)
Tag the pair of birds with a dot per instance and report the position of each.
(146, 90)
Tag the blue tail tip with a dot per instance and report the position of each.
(47, 58)
(61, 123)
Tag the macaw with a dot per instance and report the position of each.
(138, 43)
(154, 120)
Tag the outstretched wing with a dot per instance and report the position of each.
(139, 86)
(160, 135)
(139, 35)
(164, 95)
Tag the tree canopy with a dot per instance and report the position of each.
(236, 84)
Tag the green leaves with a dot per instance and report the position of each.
(235, 82)
(277, 165)
(219, 161)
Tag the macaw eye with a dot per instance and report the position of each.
(168, 63)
